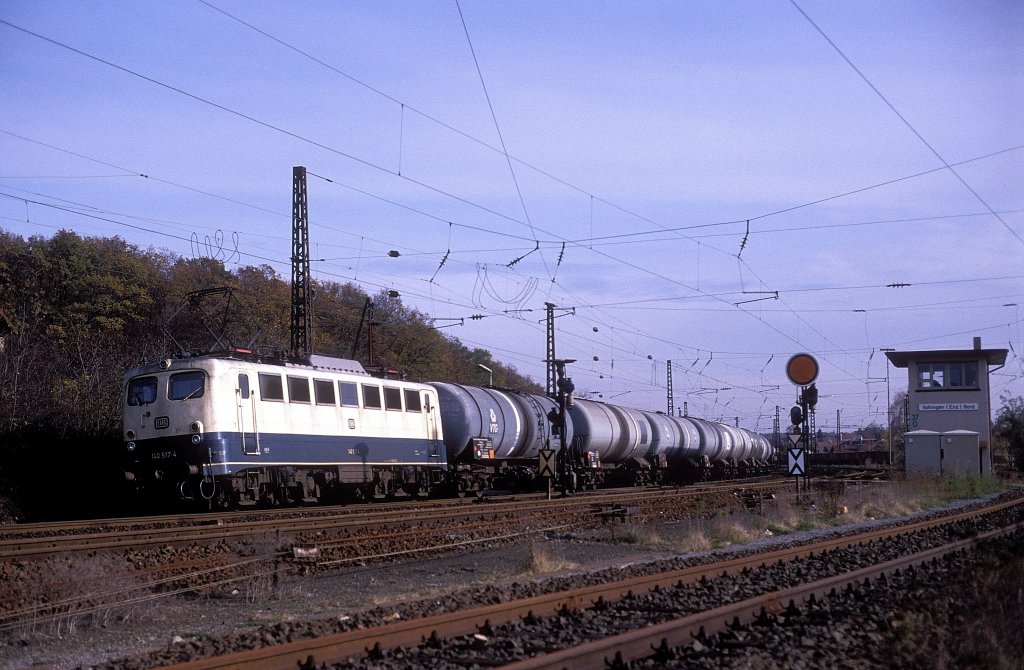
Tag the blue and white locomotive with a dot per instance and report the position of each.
(235, 428)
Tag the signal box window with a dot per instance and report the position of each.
(392, 399)
(142, 391)
(349, 394)
(323, 390)
(271, 387)
(412, 401)
(186, 385)
(298, 389)
(371, 397)
(931, 375)
(963, 375)
(954, 375)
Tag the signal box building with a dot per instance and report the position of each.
(948, 398)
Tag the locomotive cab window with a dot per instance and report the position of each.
(243, 385)
(271, 387)
(298, 389)
(142, 391)
(392, 399)
(412, 401)
(349, 394)
(371, 397)
(323, 390)
(186, 385)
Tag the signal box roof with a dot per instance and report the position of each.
(902, 359)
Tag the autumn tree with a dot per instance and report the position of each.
(1008, 431)
(79, 312)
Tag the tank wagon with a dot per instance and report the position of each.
(234, 428)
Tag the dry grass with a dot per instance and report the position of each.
(57, 596)
(719, 531)
(638, 534)
(540, 561)
(829, 504)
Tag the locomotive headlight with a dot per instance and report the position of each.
(130, 435)
(196, 439)
(196, 427)
(130, 446)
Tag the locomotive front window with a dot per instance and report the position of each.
(349, 394)
(271, 387)
(412, 401)
(298, 389)
(186, 385)
(142, 391)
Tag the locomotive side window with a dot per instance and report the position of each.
(371, 397)
(271, 387)
(142, 391)
(298, 389)
(243, 385)
(412, 401)
(186, 385)
(392, 399)
(323, 390)
(349, 394)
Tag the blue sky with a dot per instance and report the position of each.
(643, 136)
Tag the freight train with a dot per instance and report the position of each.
(235, 428)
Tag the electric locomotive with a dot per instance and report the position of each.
(235, 428)
(239, 429)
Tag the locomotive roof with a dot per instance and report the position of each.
(311, 362)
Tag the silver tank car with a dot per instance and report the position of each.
(537, 429)
(616, 433)
(741, 444)
(673, 438)
(711, 442)
(762, 449)
(516, 424)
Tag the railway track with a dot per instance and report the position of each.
(311, 525)
(548, 630)
(223, 552)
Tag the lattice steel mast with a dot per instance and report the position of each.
(302, 340)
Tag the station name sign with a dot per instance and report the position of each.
(948, 406)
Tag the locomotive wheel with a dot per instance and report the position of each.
(221, 500)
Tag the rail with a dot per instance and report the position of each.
(338, 647)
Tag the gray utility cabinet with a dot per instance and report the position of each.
(956, 452)
(924, 452)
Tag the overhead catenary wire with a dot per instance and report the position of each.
(907, 123)
(756, 232)
(497, 128)
(504, 152)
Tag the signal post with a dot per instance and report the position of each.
(802, 370)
